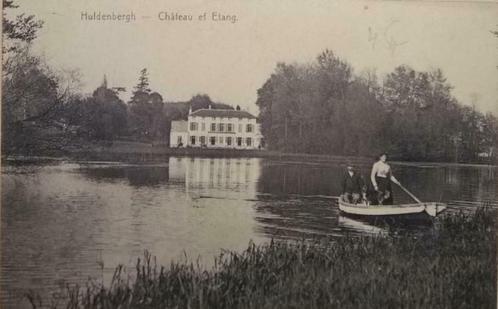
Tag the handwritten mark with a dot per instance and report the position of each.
(372, 37)
(391, 42)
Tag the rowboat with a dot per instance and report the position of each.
(430, 208)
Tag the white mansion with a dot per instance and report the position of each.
(217, 128)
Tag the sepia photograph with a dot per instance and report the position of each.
(249, 154)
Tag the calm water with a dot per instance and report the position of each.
(64, 222)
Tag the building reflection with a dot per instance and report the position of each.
(222, 176)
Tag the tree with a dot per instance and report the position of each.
(203, 101)
(33, 93)
(143, 82)
(160, 125)
(141, 111)
(32, 90)
(109, 115)
(103, 116)
(147, 117)
(422, 115)
(200, 101)
(489, 142)
(25, 78)
(322, 107)
(23, 29)
(298, 105)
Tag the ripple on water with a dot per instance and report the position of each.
(63, 222)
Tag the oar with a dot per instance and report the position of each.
(430, 208)
(409, 193)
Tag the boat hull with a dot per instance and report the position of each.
(431, 208)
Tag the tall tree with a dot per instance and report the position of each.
(140, 109)
(143, 82)
(147, 118)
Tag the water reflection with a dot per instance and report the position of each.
(360, 226)
(296, 218)
(63, 222)
(294, 178)
(428, 182)
(136, 175)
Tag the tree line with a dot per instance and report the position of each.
(101, 116)
(319, 107)
(145, 117)
(43, 105)
(323, 107)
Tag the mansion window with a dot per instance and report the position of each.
(239, 141)
(248, 141)
(193, 126)
(202, 140)
(249, 128)
(229, 127)
(192, 140)
(212, 140)
(179, 140)
(222, 127)
(213, 127)
(229, 140)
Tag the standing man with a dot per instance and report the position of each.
(352, 185)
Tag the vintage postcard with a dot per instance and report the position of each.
(249, 154)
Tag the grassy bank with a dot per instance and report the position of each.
(454, 267)
(132, 151)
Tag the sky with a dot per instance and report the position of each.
(230, 61)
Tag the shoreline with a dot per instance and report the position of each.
(124, 151)
(341, 273)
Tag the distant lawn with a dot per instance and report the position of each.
(454, 267)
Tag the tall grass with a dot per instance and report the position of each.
(453, 267)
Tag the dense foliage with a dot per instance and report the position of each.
(100, 116)
(32, 92)
(322, 107)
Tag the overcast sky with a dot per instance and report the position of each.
(230, 61)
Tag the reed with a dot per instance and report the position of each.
(451, 267)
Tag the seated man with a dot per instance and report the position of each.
(352, 185)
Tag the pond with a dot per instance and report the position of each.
(66, 221)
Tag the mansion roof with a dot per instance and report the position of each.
(222, 113)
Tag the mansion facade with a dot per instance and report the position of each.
(217, 128)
